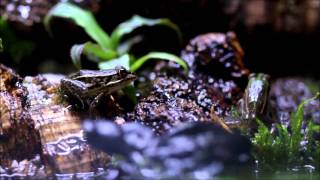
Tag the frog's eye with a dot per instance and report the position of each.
(119, 68)
(252, 75)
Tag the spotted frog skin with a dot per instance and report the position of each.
(254, 102)
(88, 86)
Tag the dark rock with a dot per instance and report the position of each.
(216, 54)
(188, 150)
(285, 96)
(173, 101)
(168, 105)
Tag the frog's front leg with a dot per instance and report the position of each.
(74, 88)
(94, 103)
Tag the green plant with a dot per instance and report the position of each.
(1, 47)
(284, 147)
(107, 50)
(313, 148)
(16, 47)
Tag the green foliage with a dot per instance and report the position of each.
(109, 51)
(284, 147)
(93, 51)
(313, 148)
(313, 85)
(82, 18)
(157, 55)
(14, 46)
(123, 60)
(136, 22)
(296, 122)
(1, 46)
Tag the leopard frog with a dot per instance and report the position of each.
(88, 86)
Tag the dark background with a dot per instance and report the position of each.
(275, 49)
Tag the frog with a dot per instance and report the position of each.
(89, 86)
(254, 103)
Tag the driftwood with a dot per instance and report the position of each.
(34, 120)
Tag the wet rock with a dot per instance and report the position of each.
(216, 54)
(29, 12)
(162, 115)
(216, 93)
(173, 101)
(168, 105)
(285, 96)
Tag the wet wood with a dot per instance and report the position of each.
(44, 124)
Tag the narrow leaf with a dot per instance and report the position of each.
(136, 22)
(75, 53)
(94, 52)
(97, 54)
(1, 47)
(123, 61)
(296, 123)
(158, 55)
(126, 46)
(82, 18)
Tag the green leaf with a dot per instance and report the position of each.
(15, 46)
(123, 61)
(125, 47)
(158, 55)
(94, 52)
(1, 47)
(75, 53)
(296, 123)
(82, 18)
(263, 137)
(136, 22)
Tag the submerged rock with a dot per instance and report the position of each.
(187, 151)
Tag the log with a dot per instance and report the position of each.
(34, 119)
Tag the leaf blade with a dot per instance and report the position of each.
(296, 124)
(82, 18)
(94, 52)
(1, 46)
(136, 22)
(123, 61)
(158, 55)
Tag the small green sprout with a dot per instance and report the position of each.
(107, 50)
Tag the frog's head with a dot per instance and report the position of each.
(260, 76)
(124, 76)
